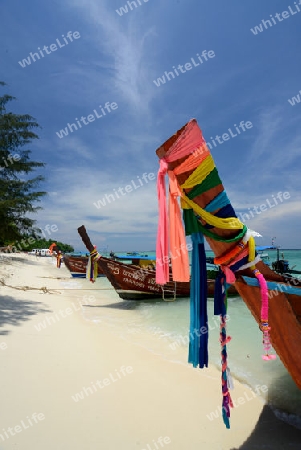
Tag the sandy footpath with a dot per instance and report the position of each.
(69, 383)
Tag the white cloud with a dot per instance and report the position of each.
(134, 213)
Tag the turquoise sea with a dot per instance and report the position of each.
(168, 323)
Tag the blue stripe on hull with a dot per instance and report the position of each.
(272, 285)
(82, 275)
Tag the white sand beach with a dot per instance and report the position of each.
(70, 383)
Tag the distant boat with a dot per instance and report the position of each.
(134, 258)
(136, 254)
(77, 265)
(134, 282)
(280, 266)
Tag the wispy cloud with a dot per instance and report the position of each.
(264, 145)
(126, 60)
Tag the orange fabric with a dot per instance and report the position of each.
(226, 259)
(193, 160)
(230, 276)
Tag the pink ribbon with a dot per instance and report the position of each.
(162, 264)
(178, 248)
(188, 140)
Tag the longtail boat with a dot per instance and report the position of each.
(132, 282)
(208, 213)
(138, 281)
(282, 266)
(77, 265)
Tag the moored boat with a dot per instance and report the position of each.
(136, 258)
(138, 281)
(77, 265)
(279, 265)
(133, 282)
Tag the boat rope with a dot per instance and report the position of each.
(44, 289)
(92, 266)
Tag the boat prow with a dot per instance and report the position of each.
(208, 212)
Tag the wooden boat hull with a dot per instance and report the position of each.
(285, 307)
(77, 265)
(132, 282)
(284, 319)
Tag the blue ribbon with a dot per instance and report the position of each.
(218, 202)
(198, 336)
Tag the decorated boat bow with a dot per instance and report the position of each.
(207, 211)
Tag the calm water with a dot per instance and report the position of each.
(162, 327)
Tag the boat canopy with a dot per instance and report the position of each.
(134, 256)
(265, 247)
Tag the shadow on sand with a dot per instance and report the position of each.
(128, 304)
(14, 311)
(120, 305)
(271, 433)
(7, 260)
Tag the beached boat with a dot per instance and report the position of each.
(77, 265)
(138, 281)
(134, 282)
(186, 158)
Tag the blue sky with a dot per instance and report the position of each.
(116, 59)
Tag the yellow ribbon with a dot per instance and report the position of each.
(228, 223)
(199, 174)
(252, 251)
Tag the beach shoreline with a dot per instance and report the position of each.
(95, 388)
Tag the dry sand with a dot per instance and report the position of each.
(135, 397)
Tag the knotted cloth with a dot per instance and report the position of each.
(203, 187)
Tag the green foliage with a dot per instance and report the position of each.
(18, 191)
